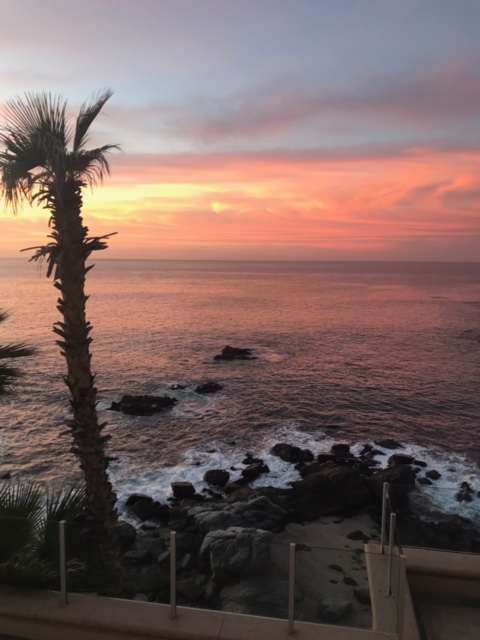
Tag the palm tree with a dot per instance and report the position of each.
(9, 374)
(44, 161)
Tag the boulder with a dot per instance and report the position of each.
(216, 477)
(126, 533)
(253, 471)
(388, 443)
(136, 497)
(143, 509)
(291, 453)
(466, 493)
(235, 353)
(143, 405)
(398, 459)
(259, 597)
(236, 551)
(258, 512)
(400, 478)
(341, 450)
(362, 594)
(209, 387)
(183, 490)
(433, 474)
(325, 457)
(332, 489)
(333, 609)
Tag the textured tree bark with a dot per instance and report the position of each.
(74, 332)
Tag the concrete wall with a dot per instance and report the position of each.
(39, 615)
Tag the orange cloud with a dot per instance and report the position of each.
(370, 203)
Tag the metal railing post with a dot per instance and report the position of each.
(63, 563)
(384, 516)
(393, 519)
(173, 575)
(291, 588)
(402, 586)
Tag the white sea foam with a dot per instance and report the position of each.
(440, 497)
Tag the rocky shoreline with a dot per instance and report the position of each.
(228, 536)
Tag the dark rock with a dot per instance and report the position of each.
(424, 481)
(138, 556)
(136, 497)
(433, 474)
(252, 472)
(420, 463)
(398, 459)
(307, 469)
(325, 457)
(143, 405)
(358, 535)
(176, 387)
(126, 533)
(183, 490)
(143, 509)
(367, 448)
(6, 476)
(389, 443)
(466, 493)
(259, 596)
(350, 581)
(258, 512)
(340, 450)
(291, 453)
(190, 588)
(209, 387)
(235, 353)
(401, 480)
(250, 459)
(236, 551)
(332, 489)
(332, 609)
(217, 477)
(362, 594)
(335, 567)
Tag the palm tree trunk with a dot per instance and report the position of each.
(88, 442)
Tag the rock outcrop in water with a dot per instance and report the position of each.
(143, 405)
(235, 353)
(209, 387)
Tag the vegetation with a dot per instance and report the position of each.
(29, 536)
(10, 374)
(44, 161)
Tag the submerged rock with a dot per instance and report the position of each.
(235, 353)
(143, 405)
(216, 477)
(291, 453)
(209, 387)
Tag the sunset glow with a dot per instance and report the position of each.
(316, 147)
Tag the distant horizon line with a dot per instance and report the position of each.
(267, 260)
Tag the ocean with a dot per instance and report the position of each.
(346, 352)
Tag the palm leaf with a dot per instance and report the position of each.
(88, 112)
(20, 518)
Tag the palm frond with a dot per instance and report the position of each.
(38, 115)
(20, 518)
(92, 166)
(88, 112)
(66, 504)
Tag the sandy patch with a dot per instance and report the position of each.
(328, 564)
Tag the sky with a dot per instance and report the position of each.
(264, 129)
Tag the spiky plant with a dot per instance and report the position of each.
(9, 375)
(44, 161)
(29, 536)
